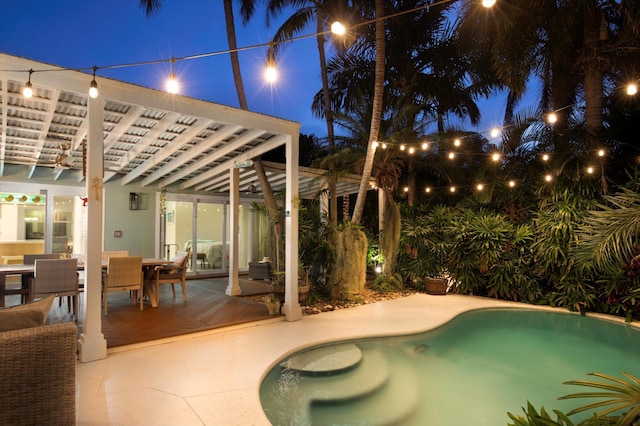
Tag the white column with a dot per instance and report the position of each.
(92, 344)
(324, 207)
(233, 288)
(291, 308)
(252, 235)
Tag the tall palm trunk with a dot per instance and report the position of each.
(333, 197)
(233, 48)
(376, 114)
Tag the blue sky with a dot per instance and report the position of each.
(73, 33)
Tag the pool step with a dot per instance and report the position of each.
(326, 360)
(371, 374)
(390, 404)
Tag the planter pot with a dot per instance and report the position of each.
(303, 293)
(435, 286)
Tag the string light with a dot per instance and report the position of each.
(452, 155)
(412, 150)
(406, 189)
(172, 84)
(425, 146)
(496, 156)
(552, 118)
(375, 144)
(457, 142)
(548, 178)
(427, 190)
(384, 145)
(601, 153)
(93, 89)
(495, 132)
(488, 3)
(632, 89)
(480, 187)
(402, 147)
(545, 157)
(452, 189)
(590, 170)
(512, 184)
(338, 29)
(27, 91)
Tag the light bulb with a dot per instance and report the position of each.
(545, 157)
(406, 189)
(457, 142)
(172, 85)
(488, 3)
(402, 147)
(452, 189)
(375, 144)
(495, 132)
(427, 190)
(384, 145)
(270, 74)
(425, 145)
(338, 29)
(93, 90)
(632, 89)
(412, 150)
(27, 91)
(480, 187)
(548, 178)
(512, 183)
(452, 155)
(495, 156)
(590, 170)
(552, 118)
(601, 153)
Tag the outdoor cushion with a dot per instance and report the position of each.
(25, 316)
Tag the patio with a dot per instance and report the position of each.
(213, 377)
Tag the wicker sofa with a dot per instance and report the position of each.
(38, 375)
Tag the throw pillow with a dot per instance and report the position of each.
(25, 316)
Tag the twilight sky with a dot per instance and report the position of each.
(75, 33)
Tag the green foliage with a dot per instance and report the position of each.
(619, 394)
(386, 283)
(315, 248)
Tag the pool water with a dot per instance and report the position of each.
(470, 371)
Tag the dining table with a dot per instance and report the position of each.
(27, 270)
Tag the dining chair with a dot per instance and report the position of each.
(123, 273)
(116, 253)
(28, 259)
(57, 277)
(175, 272)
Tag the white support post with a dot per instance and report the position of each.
(381, 208)
(92, 344)
(233, 288)
(291, 308)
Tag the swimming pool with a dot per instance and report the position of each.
(472, 370)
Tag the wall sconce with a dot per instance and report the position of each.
(134, 201)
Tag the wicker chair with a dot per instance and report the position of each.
(123, 273)
(173, 273)
(28, 259)
(119, 253)
(55, 277)
(38, 370)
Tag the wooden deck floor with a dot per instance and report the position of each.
(207, 307)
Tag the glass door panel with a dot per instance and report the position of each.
(212, 232)
(178, 227)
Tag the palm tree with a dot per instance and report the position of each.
(304, 14)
